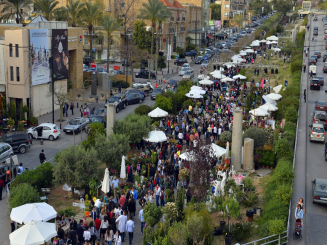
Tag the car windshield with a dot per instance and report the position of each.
(321, 117)
(113, 99)
(187, 73)
(198, 58)
(74, 122)
(184, 69)
(98, 111)
(321, 103)
(321, 187)
(157, 90)
(318, 130)
(96, 119)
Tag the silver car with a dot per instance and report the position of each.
(183, 70)
(188, 75)
(205, 63)
(77, 124)
(317, 132)
(5, 151)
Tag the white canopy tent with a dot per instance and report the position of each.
(197, 91)
(206, 82)
(157, 113)
(262, 41)
(219, 76)
(268, 42)
(268, 100)
(203, 77)
(238, 61)
(276, 49)
(239, 76)
(156, 137)
(247, 47)
(106, 182)
(255, 44)
(269, 107)
(34, 232)
(272, 38)
(274, 96)
(242, 53)
(277, 88)
(249, 50)
(227, 79)
(259, 112)
(194, 95)
(33, 211)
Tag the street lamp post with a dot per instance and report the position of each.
(169, 44)
(126, 42)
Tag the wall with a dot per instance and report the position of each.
(76, 56)
(2, 68)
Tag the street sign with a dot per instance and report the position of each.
(80, 38)
(93, 66)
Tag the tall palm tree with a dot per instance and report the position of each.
(11, 9)
(46, 8)
(60, 14)
(74, 10)
(91, 14)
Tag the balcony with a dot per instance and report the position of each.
(183, 18)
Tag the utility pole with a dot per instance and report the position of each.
(196, 26)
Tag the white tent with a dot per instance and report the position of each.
(268, 100)
(157, 113)
(274, 96)
(249, 50)
(156, 137)
(268, 42)
(206, 82)
(272, 38)
(236, 56)
(255, 44)
(276, 49)
(259, 112)
(262, 41)
(269, 107)
(274, 42)
(197, 91)
(219, 151)
(247, 47)
(201, 76)
(123, 168)
(227, 79)
(219, 76)
(239, 60)
(277, 88)
(194, 95)
(33, 233)
(239, 76)
(33, 211)
(242, 53)
(106, 182)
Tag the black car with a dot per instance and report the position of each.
(191, 53)
(145, 74)
(321, 80)
(312, 61)
(318, 54)
(120, 100)
(315, 84)
(19, 141)
(99, 111)
(155, 92)
(325, 69)
(315, 57)
(180, 62)
(324, 57)
(86, 60)
(173, 83)
(198, 60)
(135, 91)
(134, 98)
(97, 118)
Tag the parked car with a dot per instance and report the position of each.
(132, 98)
(145, 74)
(101, 70)
(19, 141)
(319, 191)
(198, 60)
(188, 75)
(315, 84)
(206, 56)
(183, 70)
(119, 72)
(76, 125)
(317, 132)
(320, 117)
(6, 151)
(44, 131)
(191, 53)
(180, 61)
(321, 105)
(173, 82)
(143, 87)
(99, 111)
(135, 91)
(205, 63)
(119, 100)
(155, 92)
(325, 68)
(102, 118)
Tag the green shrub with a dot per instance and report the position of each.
(23, 194)
(283, 149)
(276, 226)
(164, 103)
(67, 212)
(268, 158)
(289, 129)
(114, 84)
(283, 194)
(296, 66)
(257, 134)
(291, 114)
(241, 231)
(20, 126)
(142, 110)
(188, 103)
(226, 136)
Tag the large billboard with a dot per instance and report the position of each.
(60, 67)
(39, 44)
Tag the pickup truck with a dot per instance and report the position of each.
(145, 74)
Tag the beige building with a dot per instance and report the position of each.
(17, 70)
(231, 8)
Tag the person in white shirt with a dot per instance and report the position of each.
(121, 221)
(141, 219)
(118, 238)
(20, 169)
(87, 234)
(118, 211)
(129, 229)
(157, 190)
(115, 183)
(219, 132)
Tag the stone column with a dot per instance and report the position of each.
(111, 118)
(237, 139)
(248, 154)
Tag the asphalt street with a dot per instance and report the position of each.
(310, 162)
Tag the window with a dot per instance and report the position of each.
(226, 6)
(85, 40)
(226, 13)
(17, 74)
(11, 73)
(10, 49)
(17, 50)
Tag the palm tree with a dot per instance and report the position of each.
(74, 10)
(91, 13)
(60, 14)
(46, 8)
(12, 9)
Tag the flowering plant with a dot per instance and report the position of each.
(184, 174)
(170, 211)
(87, 213)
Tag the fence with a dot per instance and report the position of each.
(274, 239)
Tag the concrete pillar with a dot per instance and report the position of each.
(237, 139)
(248, 154)
(111, 118)
(93, 83)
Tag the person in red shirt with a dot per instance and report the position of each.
(179, 147)
(97, 223)
(2, 185)
(122, 200)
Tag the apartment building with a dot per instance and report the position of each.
(230, 8)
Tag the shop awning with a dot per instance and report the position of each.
(210, 36)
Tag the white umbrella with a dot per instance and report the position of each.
(268, 42)
(123, 168)
(203, 77)
(268, 100)
(157, 113)
(242, 53)
(269, 107)
(194, 95)
(197, 91)
(206, 82)
(276, 49)
(214, 73)
(219, 76)
(218, 151)
(249, 51)
(259, 112)
(254, 44)
(274, 96)
(277, 88)
(262, 41)
(33, 211)
(239, 60)
(227, 150)
(272, 38)
(156, 137)
(236, 56)
(239, 76)
(274, 42)
(247, 47)
(106, 182)
(33, 233)
(227, 79)
(195, 87)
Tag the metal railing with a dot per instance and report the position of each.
(274, 239)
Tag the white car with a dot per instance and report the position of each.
(188, 75)
(44, 131)
(183, 70)
(313, 68)
(186, 65)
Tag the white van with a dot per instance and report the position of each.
(313, 68)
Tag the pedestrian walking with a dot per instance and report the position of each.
(121, 221)
(66, 109)
(42, 156)
(118, 238)
(119, 87)
(304, 66)
(141, 219)
(72, 107)
(305, 96)
(130, 229)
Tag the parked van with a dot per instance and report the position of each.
(313, 68)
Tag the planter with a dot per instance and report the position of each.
(228, 239)
(222, 224)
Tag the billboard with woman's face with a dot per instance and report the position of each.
(60, 54)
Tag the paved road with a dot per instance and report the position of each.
(310, 162)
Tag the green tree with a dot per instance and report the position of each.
(164, 103)
(112, 149)
(46, 8)
(142, 37)
(13, 110)
(134, 126)
(95, 129)
(76, 166)
(23, 194)
(74, 10)
(91, 14)
(177, 233)
(142, 110)
(257, 134)
(60, 14)
(215, 11)
(12, 10)
(152, 215)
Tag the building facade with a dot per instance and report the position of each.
(232, 8)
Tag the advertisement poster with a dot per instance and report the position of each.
(60, 54)
(39, 44)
